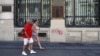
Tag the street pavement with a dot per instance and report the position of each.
(51, 49)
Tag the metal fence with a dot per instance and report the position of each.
(82, 13)
(32, 9)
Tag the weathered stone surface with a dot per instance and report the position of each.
(10, 2)
(58, 2)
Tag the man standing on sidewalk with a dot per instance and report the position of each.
(27, 37)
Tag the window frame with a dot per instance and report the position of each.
(41, 17)
(74, 17)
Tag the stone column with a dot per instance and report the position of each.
(6, 21)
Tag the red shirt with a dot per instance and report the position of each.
(28, 30)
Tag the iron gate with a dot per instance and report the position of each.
(82, 13)
(32, 9)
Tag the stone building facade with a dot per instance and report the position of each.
(71, 21)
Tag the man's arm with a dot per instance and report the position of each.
(26, 29)
(26, 35)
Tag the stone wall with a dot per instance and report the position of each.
(6, 21)
(83, 35)
(58, 2)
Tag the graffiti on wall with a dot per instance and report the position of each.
(57, 31)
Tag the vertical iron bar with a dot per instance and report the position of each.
(74, 17)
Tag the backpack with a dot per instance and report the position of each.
(22, 32)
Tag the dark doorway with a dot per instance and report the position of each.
(57, 11)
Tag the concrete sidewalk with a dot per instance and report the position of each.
(52, 49)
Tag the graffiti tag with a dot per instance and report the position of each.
(58, 31)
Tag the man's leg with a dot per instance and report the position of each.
(31, 45)
(24, 46)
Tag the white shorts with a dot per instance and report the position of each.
(26, 41)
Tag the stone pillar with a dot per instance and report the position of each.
(57, 31)
(6, 21)
(58, 2)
